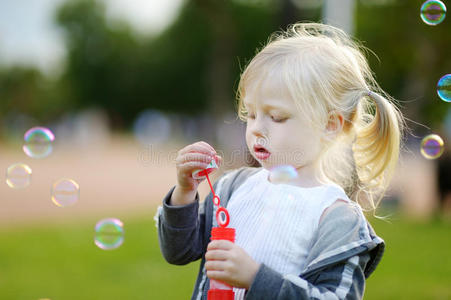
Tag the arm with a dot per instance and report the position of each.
(344, 280)
(181, 224)
(180, 230)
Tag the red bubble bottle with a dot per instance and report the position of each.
(220, 290)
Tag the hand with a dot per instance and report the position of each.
(229, 263)
(193, 157)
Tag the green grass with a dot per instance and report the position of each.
(416, 263)
(61, 262)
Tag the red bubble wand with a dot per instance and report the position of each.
(218, 290)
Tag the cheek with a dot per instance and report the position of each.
(295, 140)
(248, 137)
(286, 136)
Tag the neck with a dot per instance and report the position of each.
(308, 177)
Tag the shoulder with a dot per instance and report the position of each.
(243, 171)
(344, 222)
(342, 212)
(231, 180)
(234, 177)
(342, 233)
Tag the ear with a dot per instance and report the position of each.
(335, 123)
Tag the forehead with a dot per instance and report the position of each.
(268, 91)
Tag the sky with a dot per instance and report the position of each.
(28, 35)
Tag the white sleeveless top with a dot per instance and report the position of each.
(276, 223)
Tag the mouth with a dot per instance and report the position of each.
(261, 152)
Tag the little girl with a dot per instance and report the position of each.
(310, 101)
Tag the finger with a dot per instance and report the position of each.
(220, 244)
(218, 160)
(199, 157)
(207, 145)
(191, 166)
(216, 265)
(216, 254)
(196, 149)
(201, 147)
(217, 274)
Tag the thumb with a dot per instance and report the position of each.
(218, 160)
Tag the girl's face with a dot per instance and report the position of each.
(277, 133)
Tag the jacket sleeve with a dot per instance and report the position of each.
(181, 230)
(339, 267)
(343, 280)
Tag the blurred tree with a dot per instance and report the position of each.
(190, 67)
(25, 91)
(21, 91)
(193, 66)
(101, 63)
(413, 56)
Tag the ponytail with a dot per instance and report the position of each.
(378, 132)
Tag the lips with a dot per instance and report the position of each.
(261, 152)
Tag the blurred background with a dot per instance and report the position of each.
(124, 85)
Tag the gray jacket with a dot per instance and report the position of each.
(345, 251)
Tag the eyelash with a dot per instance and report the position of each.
(281, 120)
(277, 120)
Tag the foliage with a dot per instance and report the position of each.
(413, 56)
(193, 65)
(25, 91)
(108, 67)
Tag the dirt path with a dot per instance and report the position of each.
(118, 178)
(121, 177)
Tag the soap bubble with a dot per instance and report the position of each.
(432, 146)
(109, 234)
(444, 88)
(282, 174)
(18, 176)
(433, 12)
(198, 174)
(38, 142)
(65, 192)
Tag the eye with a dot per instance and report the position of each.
(250, 116)
(278, 119)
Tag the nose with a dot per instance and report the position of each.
(258, 127)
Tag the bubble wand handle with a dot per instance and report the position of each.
(212, 190)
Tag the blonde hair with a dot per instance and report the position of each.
(325, 71)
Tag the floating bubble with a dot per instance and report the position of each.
(65, 192)
(282, 174)
(444, 88)
(432, 146)
(18, 176)
(38, 142)
(433, 12)
(109, 234)
(198, 174)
